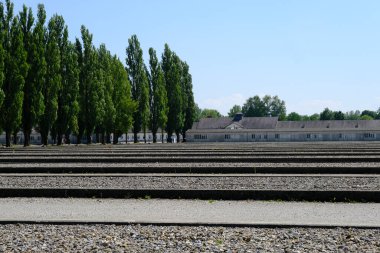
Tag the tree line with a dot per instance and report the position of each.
(59, 87)
(273, 106)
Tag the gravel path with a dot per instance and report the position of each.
(194, 182)
(136, 238)
(190, 165)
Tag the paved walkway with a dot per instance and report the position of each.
(189, 211)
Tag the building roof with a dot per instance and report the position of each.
(273, 123)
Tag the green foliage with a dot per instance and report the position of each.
(52, 80)
(293, 116)
(372, 114)
(171, 66)
(198, 112)
(16, 69)
(210, 113)
(235, 109)
(121, 97)
(140, 85)
(366, 117)
(338, 115)
(158, 95)
(268, 106)
(326, 114)
(188, 99)
(352, 115)
(35, 43)
(90, 103)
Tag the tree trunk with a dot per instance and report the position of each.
(154, 137)
(135, 140)
(27, 138)
(7, 139)
(103, 138)
(97, 138)
(15, 138)
(108, 138)
(89, 141)
(169, 139)
(59, 139)
(115, 138)
(144, 136)
(79, 139)
(178, 139)
(184, 137)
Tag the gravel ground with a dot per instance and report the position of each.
(190, 165)
(136, 238)
(194, 182)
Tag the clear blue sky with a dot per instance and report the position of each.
(312, 54)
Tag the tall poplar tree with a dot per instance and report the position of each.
(171, 66)
(15, 68)
(121, 97)
(158, 95)
(34, 44)
(2, 55)
(140, 86)
(53, 79)
(189, 104)
(68, 107)
(88, 93)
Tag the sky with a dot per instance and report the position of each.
(312, 54)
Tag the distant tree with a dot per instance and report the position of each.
(268, 106)
(235, 109)
(198, 112)
(352, 115)
(293, 116)
(171, 65)
(314, 116)
(254, 107)
(158, 95)
(140, 85)
(326, 114)
(372, 114)
(16, 69)
(275, 106)
(210, 113)
(338, 115)
(366, 117)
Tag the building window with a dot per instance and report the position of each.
(227, 136)
(253, 136)
(38, 138)
(200, 137)
(308, 136)
(315, 136)
(265, 136)
(369, 135)
(340, 136)
(32, 138)
(277, 136)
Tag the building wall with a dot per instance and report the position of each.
(279, 136)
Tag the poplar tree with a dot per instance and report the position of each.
(68, 106)
(2, 55)
(106, 87)
(34, 43)
(171, 66)
(140, 86)
(88, 94)
(188, 101)
(158, 95)
(121, 97)
(15, 68)
(53, 79)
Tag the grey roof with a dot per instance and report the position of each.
(246, 123)
(329, 124)
(273, 123)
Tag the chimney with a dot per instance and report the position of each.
(238, 117)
